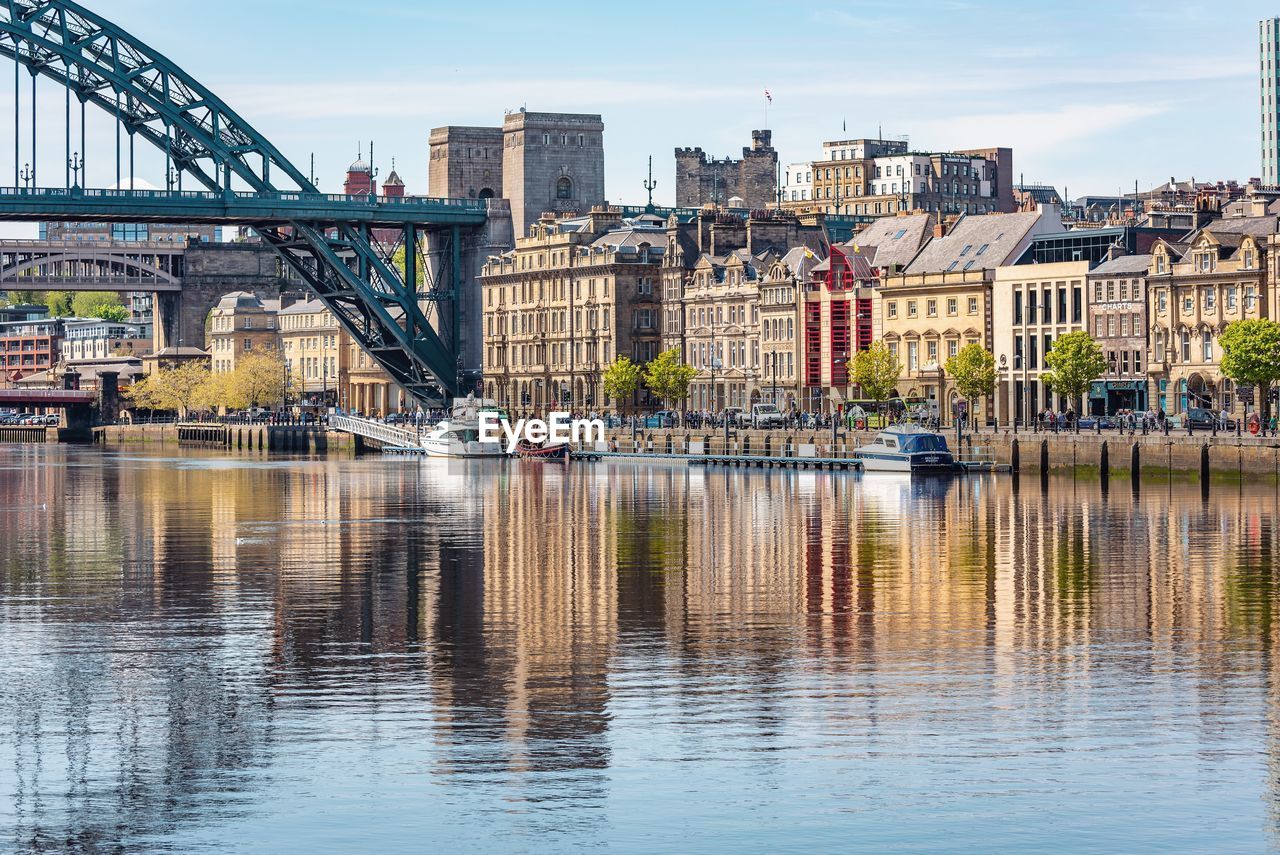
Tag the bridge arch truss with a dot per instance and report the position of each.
(329, 242)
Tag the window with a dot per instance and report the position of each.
(564, 188)
(1186, 346)
(1097, 326)
(893, 308)
(931, 308)
(1207, 345)
(1188, 304)
(1162, 301)
(1248, 298)
(933, 352)
(973, 305)
(911, 308)
(1210, 301)
(951, 306)
(1017, 307)
(1231, 298)
(953, 347)
(913, 356)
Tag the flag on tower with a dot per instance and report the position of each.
(768, 95)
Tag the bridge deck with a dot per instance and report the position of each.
(200, 206)
(45, 397)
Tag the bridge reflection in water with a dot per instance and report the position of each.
(377, 651)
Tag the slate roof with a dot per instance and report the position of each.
(976, 242)
(895, 240)
(1125, 265)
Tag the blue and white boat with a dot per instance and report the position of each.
(906, 448)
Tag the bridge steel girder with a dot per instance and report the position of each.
(155, 99)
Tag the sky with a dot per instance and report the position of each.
(1091, 96)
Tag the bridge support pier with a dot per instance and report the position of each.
(77, 425)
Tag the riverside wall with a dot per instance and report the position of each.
(286, 439)
(1155, 455)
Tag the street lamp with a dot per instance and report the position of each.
(27, 175)
(75, 164)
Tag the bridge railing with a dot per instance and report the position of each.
(394, 436)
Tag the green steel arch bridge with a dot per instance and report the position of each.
(336, 244)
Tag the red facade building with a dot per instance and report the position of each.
(837, 324)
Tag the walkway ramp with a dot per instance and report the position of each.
(388, 436)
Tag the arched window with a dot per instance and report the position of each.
(564, 189)
(486, 193)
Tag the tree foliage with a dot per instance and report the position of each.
(178, 390)
(1251, 351)
(1075, 361)
(875, 371)
(621, 379)
(973, 369)
(59, 303)
(257, 381)
(668, 377)
(1251, 355)
(98, 304)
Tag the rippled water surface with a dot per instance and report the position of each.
(218, 655)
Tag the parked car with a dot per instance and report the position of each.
(396, 419)
(1201, 418)
(766, 416)
(1091, 422)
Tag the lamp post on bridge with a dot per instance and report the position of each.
(75, 164)
(27, 175)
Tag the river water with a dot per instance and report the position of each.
(210, 654)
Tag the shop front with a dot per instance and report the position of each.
(1108, 397)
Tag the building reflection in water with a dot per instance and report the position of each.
(173, 631)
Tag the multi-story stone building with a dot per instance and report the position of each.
(1033, 305)
(781, 323)
(572, 296)
(315, 355)
(1117, 292)
(702, 246)
(722, 329)
(1196, 288)
(703, 180)
(942, 300)
(868, 177)
(540, 162)
(241, 323)
(369, 388)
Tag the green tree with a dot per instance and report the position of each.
(668, 377)
(974, 371)
(59, 303)
(258, 381)
(1075, 361)
(621, 379)
(98, 304)
(1251, 355)
(177, 390)
(875, 371)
